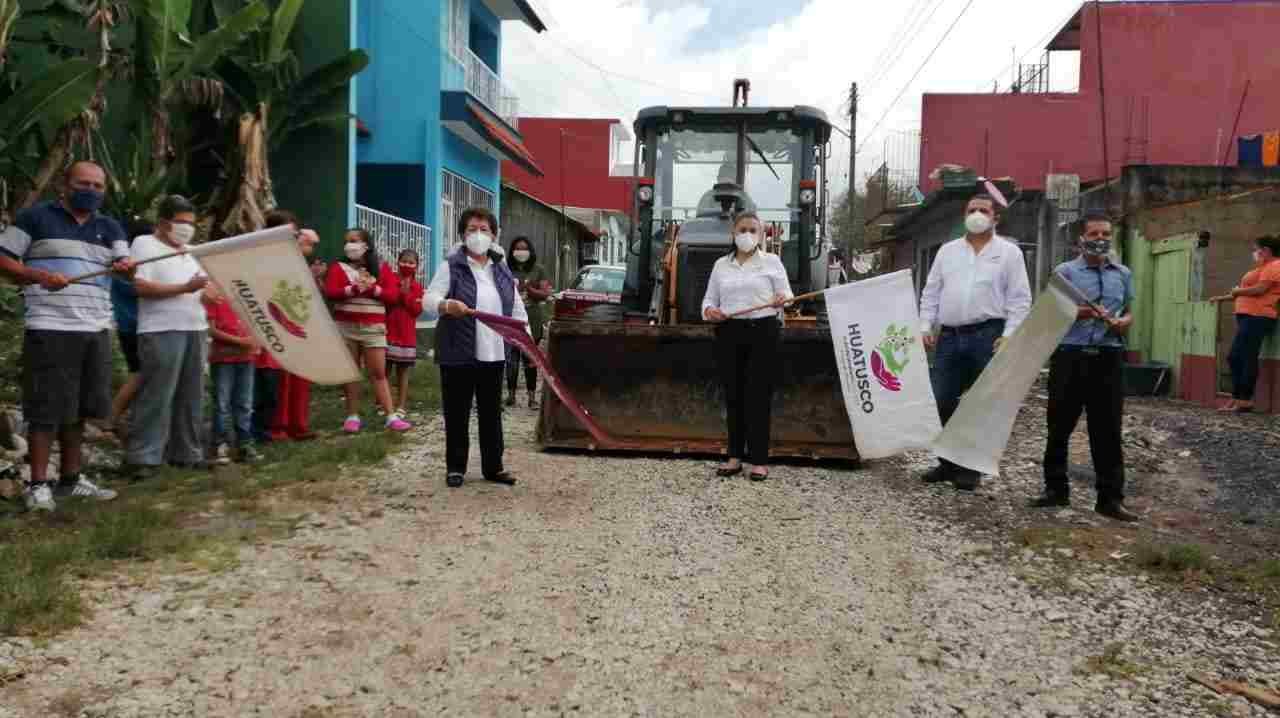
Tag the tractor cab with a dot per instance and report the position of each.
(698, 167)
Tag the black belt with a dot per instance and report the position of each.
(972, 328)
(1088, 350)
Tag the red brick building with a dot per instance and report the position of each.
(1174, 73)
(585, 171)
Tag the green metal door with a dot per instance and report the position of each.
(1169, 293)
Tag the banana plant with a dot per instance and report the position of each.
(172, 68)
(45, 85)
(46, 104)
(275, 101)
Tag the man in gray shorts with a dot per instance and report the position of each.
(66, 351)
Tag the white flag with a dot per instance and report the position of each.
(883, 369)
(977, 434)
(271, 288)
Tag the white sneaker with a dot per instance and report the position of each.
(223, 455)
(83, 488)
(38, 497)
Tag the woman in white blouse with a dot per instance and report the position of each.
(747, 343)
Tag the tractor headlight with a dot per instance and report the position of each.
(645, 194)
(807, 196)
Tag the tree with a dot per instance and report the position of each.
(50, 86)
(172, 70)
(848, 233)
(275, 100)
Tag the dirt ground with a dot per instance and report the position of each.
(644, 586)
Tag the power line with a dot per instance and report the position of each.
(621, 76)
(897, 36)
(908, 40)
(920, 69)
(1039, 44)
(570, 82)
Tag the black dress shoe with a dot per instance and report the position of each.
(502, 477)
(1051, 499)
(937, 475)
(965, 481)
(453, 480)
(1115, 510)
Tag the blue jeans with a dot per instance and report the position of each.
(233, 403)
(960, 357)
(1251, 332)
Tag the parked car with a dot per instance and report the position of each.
(594, 295)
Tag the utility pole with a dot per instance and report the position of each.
(561, 243)
(853, 156)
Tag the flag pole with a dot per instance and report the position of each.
(792, 300)
(103, 272)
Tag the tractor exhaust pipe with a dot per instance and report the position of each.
(744, 85)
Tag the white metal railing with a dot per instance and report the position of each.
(392, 235)
(485, 85)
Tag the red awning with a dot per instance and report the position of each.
(502, 137)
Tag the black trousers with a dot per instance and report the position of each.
(516, 359)
(460, 386)
(1081, 381)
(747, 357)
(266, 396)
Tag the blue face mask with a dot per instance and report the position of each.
(85, 200)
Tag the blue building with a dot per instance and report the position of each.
(435, 119)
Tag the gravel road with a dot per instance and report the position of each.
(640, 586)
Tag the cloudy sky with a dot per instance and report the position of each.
(609, 58)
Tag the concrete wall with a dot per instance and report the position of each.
(312, 171)
(399, 100)
(584, 170)
(1234, 206)
(522, 216)
(1180, 66)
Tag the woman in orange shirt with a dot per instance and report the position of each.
(1256, 302)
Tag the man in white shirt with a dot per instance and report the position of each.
(976, 296)
(168, 413)
(471, 355)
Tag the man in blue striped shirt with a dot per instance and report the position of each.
(66, 353)
(1085, 374)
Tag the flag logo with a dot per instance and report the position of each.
(290, 307)
(889, 359)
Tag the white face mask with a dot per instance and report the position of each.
(355, 251)
(745, 242)
(479, 242)
(521, 255)
(977, 223)
(181, 234)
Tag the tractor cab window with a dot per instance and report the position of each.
(690, 161)
(773, 168)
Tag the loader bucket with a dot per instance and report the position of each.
(656, 389)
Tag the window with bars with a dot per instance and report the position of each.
(457, 28)
(456, 196)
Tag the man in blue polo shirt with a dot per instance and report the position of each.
(66, 351)
(1085, 374)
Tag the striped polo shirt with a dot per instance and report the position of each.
(47, 237)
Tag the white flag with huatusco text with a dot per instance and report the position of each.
(978, 433)
(267, 281)
(884, 373)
